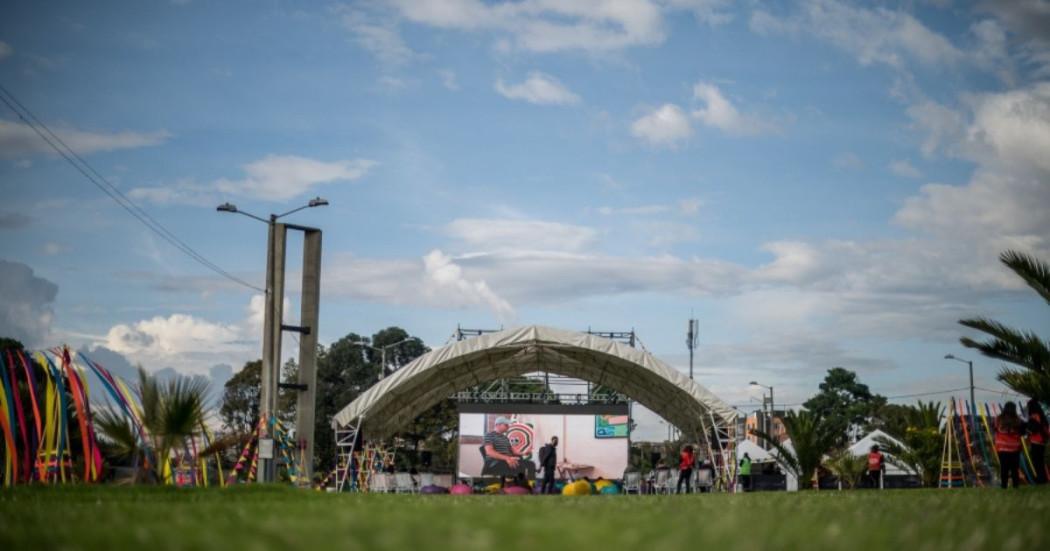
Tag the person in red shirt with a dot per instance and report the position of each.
(1008, 430)
(1038, 434)
(685, 470)
(876, 464)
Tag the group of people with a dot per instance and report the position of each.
(1010, 430)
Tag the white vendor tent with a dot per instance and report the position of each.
(863, 446)
(757, 454)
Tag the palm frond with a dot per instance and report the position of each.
(1017, 347)
(117, 431)
(1033, 271)
(1029, 383)
(784, 456)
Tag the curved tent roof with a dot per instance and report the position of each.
(398, 399)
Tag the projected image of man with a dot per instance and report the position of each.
(499, 456)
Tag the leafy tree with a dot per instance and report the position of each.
(241, 395)
(344, 371)
(1022, 348)
(6, 342)
(923, 439)
(893, 419)
(844, 403)
(811, 437)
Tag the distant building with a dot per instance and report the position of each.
(761, 420)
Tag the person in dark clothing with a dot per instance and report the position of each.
(876, 467)
(549, 462)
(1038, 433)
(499, 459)
(1008, 430)
(685, 470)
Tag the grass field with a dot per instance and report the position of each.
(248, 518)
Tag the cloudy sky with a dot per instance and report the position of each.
(822, 183)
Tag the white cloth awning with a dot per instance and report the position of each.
(398, 399)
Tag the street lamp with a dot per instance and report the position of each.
(382, 352)
(273, 328)
(772, 409)
(973, 402)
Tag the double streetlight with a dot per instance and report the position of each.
(973, 402)
(382, 352)
(772, 410)
(230, 207)
(273, 330)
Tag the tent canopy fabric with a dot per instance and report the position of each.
(863, 446)
(753, 450)
(398, 399)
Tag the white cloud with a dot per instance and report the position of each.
(690, 206)
(540, 89)
(497, 234)
(685, 207)
(17, 139)
(165, 337)
(448, 79)
(665, 126)
(272, 178)
(436, 280)
(376, 34)
(877, 35)
(643, 210)
(848, 161)
(904, 169)
(26, 310)
(940, 124)
(5, 50)
(51, 248)
(718, 112)
(712, 12)
(281, 177)
(1013, 127)
(545, 26)
(444, 281)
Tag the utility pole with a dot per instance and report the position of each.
(273, 331)
(973, 400)
(691, 339)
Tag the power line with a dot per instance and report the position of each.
(109, 189)
(897, 397)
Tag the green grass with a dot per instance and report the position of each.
(248, 518)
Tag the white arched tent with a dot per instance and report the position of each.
(398, 399)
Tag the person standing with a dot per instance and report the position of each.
(1008, 429)
(1038, 434)
(685, 470)
(745, 472)
(876, 466)
(549, 462)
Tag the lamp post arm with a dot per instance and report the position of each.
(291, 211)
(252, 216)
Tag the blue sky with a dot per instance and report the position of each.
(822, 182)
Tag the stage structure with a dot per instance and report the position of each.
(481, 370)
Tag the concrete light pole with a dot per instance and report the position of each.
(691, 339)
(274, 327)
(772, 408)
(973, 401)
(382, 352)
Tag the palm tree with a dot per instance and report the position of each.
(847, 467)
(923, 439)
(810, 437)
(171, 412)
(1022, 348)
